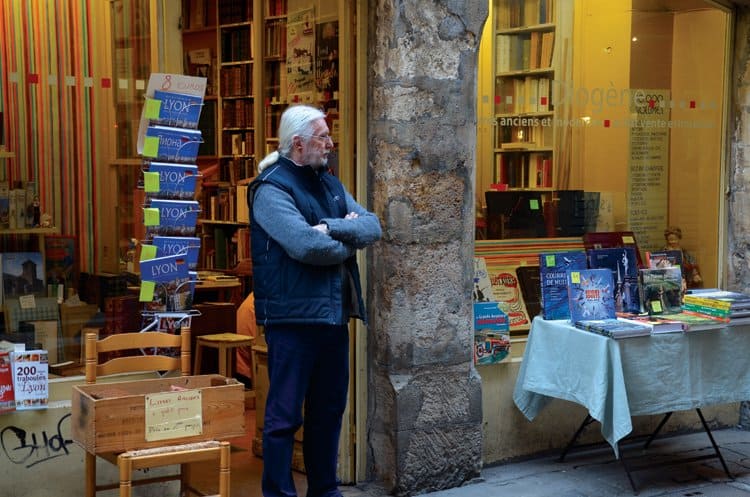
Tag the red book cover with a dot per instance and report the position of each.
(7, 399)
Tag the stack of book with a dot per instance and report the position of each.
(727, 306)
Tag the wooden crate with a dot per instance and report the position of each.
(110, 417)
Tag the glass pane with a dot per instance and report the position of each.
(131, 43)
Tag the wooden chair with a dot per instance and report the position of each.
(158, 343)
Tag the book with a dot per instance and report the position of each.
(694, 322)
(591, 294)
(4, 204)
(188, 246)
(506, 290)
(622, 262)
(60, 265)
(482, 291)
(614, 328)
(7, 398)
(664, 258)
(609, 239)
(174, 109)
(657, 324)
(167, 143)
(31, 379)
(553, 274)
(662, 290)
(721, 299)
(166, 284)
(23, 274)
(529, 278)
(171, 217)
(31, 205)
(170, 181)
(491, 333)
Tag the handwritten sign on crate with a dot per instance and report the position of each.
(173, 415)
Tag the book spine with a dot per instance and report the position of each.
(707, 311)
(707, 302)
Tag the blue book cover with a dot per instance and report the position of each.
(174, 109)
(166, 143)
(623, 263)
(170, 180)
(188, 246)
(171, 217)
(166, 284)
(491, 333)
(591, 294)
(553, 273)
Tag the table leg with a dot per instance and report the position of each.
(587, 421)
(627, 472)
(657, 430)
(713, 442)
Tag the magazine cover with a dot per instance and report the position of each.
(491, 333)
(166, 284)
(662, 290)
(506, 290)
(591, 294)
(553, 273)
(623, 263)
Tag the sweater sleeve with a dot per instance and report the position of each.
(275, 211)
(359, 232)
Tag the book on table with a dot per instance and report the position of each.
(506, 290)
(662, 290)
(553, 276)
(614, 327)
(695, 322)
(663, 258)
(720, 299)
(591, 295)
(657, 324)
(623, 263)
(529, 278)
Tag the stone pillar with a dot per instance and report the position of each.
(424, 406)
(738, 271)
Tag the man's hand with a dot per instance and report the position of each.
(351, 215)
(322, 227)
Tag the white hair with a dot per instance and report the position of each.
(296, 120)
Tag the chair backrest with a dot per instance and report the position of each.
(150, 349)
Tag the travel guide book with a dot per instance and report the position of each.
(553, 274)
(188, 246)
(174, 109)
(591, 295)
(662, 290)
(664, 258)
(482, 291)
(171, 217)
(166, 284)
(166, 143)
(170, 181)
(623, 263)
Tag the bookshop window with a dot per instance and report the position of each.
(603, 117)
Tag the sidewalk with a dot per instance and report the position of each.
(596, 473)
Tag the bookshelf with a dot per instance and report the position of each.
(241, 47)
(524, 72)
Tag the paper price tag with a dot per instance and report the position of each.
(575, 277)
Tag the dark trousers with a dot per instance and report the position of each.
(310, 365)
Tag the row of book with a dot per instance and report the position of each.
(169, 255)
(19, 206)
(524, 51)
(605, 290)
